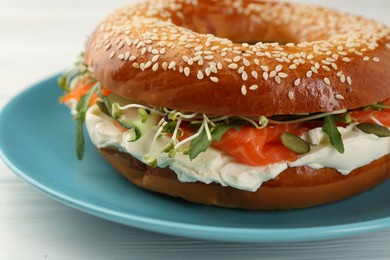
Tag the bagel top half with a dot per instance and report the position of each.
(220, 57)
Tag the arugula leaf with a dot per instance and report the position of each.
(333, 133)
(81, 108)
(202, 143)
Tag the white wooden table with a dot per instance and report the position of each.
(42, 37)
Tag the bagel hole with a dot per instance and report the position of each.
(238, 31)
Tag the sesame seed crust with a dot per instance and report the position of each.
(143, 52)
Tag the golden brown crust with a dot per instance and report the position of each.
(338, 61)
(294, 188)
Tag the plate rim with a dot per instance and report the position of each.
(196, 231)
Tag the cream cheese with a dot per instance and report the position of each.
(216, 166)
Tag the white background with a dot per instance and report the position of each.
(42, 37)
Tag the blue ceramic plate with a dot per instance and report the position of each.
(36, 140)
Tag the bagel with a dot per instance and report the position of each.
(299, 187)
(160, 53)
(244, 104)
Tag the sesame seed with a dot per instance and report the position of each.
(187, 71)
(196, 58)
(334, 66)
(148, 64)
(327, 81)
(272, 74)
(207, 71)
(282, 75)
(310, 57)
(209, 57)
(366, 58)
(120, 45)
(346, 59)
(314, 70)
(243, 90)
(264, 68)
(140, 44)
(155, 67)
(309, 74)
(155, 58)
(279, 68)
(237, 59)
(165, 65)
(135, 65)
(172, 65)
(376, 59)
(349, 80)
(127, 55)
(213, 69)
(244, 76)
(342, 78)
(339, 97)
(278, 79)
(121, 56)
(214, 79)
(253, 87)
(297, 82)
(293, 67)
(112, 54)
(265, 75)
(291, 95)
(233, 66)
(241, 70)
(107, 47)
(254, 74)
(246, 62)
(200, 75)
(257, 62)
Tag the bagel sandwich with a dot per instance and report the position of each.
(257, 105)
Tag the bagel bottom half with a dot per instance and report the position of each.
(299, 187)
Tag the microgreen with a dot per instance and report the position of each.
(81, 108)
(330, 128)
